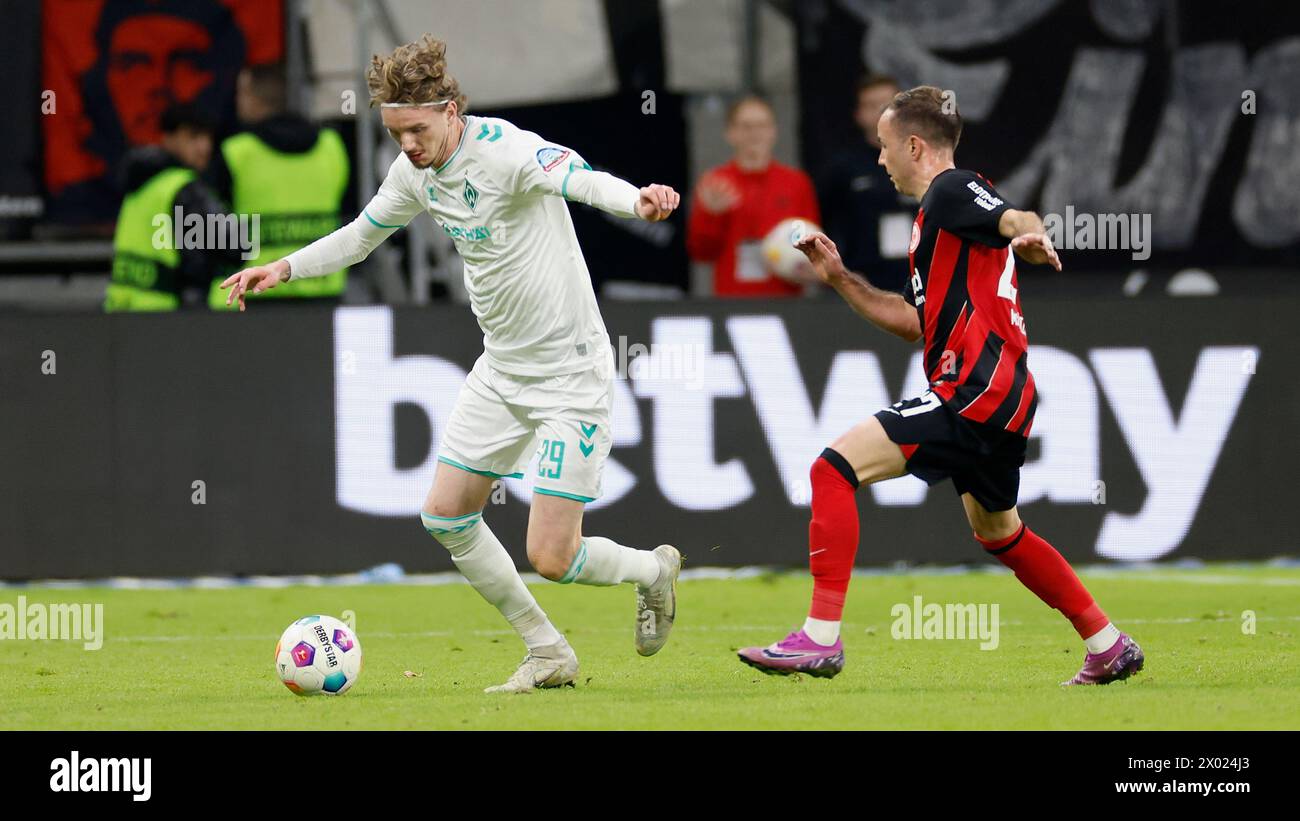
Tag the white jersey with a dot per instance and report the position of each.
(501, 198)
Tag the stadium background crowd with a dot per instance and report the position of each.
(756, 110)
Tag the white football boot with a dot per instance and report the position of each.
(554, 665)
(656, 605)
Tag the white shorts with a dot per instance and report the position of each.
(500, 420)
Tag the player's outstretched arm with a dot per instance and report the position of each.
(611, 194)
(536, 165)
(1029, 239)
(343, 247)
(339, 249)
(392, 207)
(887, 310)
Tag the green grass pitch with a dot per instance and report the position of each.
(196, 658)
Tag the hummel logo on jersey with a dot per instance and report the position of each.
(471, 195)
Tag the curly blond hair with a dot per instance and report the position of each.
(414, 73)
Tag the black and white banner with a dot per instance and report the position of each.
(1177, 112)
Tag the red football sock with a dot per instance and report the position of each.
(833, 533)
(1046, 572)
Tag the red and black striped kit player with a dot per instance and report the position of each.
(972, 423)
(967, 268)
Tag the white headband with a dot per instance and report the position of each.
(414, 105)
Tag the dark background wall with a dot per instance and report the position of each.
(98, 458)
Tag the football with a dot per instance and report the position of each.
(318, 654)
(782, 258)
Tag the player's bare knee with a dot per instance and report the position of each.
(870, 452)
(549, 558)
(446, 509)
(995, 526)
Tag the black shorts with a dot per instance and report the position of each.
(982, 460)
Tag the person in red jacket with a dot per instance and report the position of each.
(738, 203)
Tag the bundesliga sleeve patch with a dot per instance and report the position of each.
(550, 156)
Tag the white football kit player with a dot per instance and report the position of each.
(544, 383)
(547, 371)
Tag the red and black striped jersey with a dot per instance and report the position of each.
(964, 288)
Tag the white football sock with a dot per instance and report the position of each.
(601, 561)
(484, 562)
(1103, 639)
(821, 631)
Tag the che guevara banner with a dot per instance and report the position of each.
(110, 68)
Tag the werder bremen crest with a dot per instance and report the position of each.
(471, 195)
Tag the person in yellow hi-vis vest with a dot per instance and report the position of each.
(150, 271)
(289, 172)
